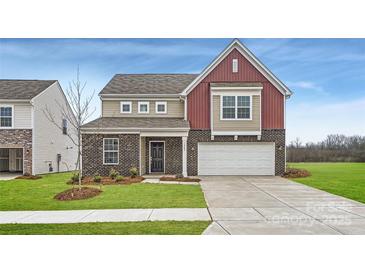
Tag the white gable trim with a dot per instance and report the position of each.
(236, 44)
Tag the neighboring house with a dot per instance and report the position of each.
(227, 120)
(29, 142)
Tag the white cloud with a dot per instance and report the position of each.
(313, 121)
(307, 85)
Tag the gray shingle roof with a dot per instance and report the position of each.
(131, 122)
(22, 89)
(148, 83)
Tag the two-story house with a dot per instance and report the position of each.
(29, 141)
(227, 120)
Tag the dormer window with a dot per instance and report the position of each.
(126, 107)
(235, 65)
(143, 107)
(6, 116)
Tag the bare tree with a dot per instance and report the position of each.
(76, 113)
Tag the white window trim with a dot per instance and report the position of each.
(125, 103)
(12, 115)
(110, 164)
(144, 103)
(161, 103)
(236, 107)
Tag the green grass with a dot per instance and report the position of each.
(344, 179)
(38, 195)
(125, 228)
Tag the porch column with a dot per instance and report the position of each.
(184, 156)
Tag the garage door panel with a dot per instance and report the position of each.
(236, 159)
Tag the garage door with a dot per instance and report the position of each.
(236, 158)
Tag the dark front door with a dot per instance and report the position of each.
(157, 157)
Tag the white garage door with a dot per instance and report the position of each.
(236, 158)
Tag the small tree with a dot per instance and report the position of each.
(76, 113)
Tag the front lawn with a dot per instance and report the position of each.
(125, 228)
(344, 179)
(20, 194)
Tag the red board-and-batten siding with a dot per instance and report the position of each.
(272, 101)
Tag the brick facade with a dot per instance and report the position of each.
(92, 150)
(129, 151)
(268, 135)
(173, 154)
(19, 138)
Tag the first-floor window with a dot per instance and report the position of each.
(6, 116)
(111, 151)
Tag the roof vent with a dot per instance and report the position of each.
(234, 65)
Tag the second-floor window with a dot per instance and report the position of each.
(236, 108)
(161, 107)
(143, 107)
(64, 126)
(126, 107)
(6, 116)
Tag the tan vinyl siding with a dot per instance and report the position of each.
(22, 116)
(236, 125)
(22, 113)
(175, 108)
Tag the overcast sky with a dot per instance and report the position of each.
(327, 76)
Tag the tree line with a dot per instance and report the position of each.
(335, 148)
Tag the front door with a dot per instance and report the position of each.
(157, 157)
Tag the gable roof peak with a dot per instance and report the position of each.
(237, 44)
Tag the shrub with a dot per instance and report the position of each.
(133, 171)
(113, 173)
(75, 177)
(119, 178)
(97, 178)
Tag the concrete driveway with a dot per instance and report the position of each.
(273, 205)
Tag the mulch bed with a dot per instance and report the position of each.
(77, 194)
(29, 177)
(89, 180)
(296, 173)
(185, 179)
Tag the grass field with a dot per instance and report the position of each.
(344, 179)
(125, 228)
(38, 195)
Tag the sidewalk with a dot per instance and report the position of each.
(104, 215)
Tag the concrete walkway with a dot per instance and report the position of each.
(273, 205)
(104, 215)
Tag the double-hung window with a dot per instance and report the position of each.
(143, 107)
(161, 107)
(236, 107)
(126, 107)
(6, 116)
(111, 151)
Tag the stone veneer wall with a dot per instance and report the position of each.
(268, 135)
(92, 160)
(173, 154)
(19, 138)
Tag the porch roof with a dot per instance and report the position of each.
(137, 123)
